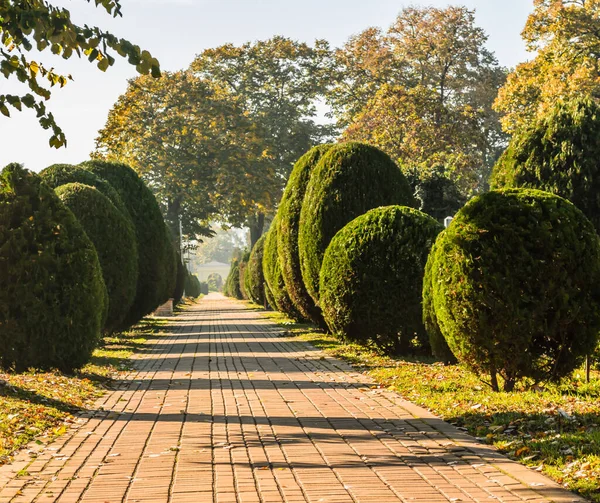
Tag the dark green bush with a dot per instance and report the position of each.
(438, 345)
(193, 288)
(151, 233)
(515, 282)
(436, 194)
(52, 296)
(349, 180)
(273, 276)
(372, 278)
(215, 282)
(289, 224)
(233, 281)
(254, 277)
(61, 174)
(204, 288)
(243, 265)
(560, 153)
(113, 236)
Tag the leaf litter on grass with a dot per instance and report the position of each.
(41, 405)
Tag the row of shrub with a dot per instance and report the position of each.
(83, 250)
(510, 289)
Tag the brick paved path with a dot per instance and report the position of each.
(226, 410)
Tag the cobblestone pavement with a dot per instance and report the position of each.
(224, 409)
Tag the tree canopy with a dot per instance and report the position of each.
(192, 144)
(423, 91)
(37, 24)
(566, 36)
(277, 82)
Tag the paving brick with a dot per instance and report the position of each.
(222, 409)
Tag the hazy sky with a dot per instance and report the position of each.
(176, 30)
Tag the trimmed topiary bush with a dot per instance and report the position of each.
(215, 282)
(289, 225)
(254, 277)
(233, 281)
(204, 288)
(52, 296)
(437, 343)
(61, 174)
(193, 288)
(515, 282)
(243, 265)
(349, 180)
(114, 238)
(273, 276)
(151, 234)
(560, 153)
(372, 277)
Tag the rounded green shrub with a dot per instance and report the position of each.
(560, 154)
(151, 234)
(349, 180)
(193, 288)
(437, 344)
(233, 281)
(372, 277)
(52, 298)
(254, 277)
(515, 285)
(289, 224)
(114, 238)
(243, 265)
(61, 174)
(204, 288)
(215, 282)
(273, 276)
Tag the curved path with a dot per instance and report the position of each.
(225, 410)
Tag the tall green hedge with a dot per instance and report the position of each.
(52, 298)
(289, 224)
(114, 238)
(193, 288)
(516, 285)
(372, 278)
(273, 276)
(437, 343)
(254, 277)
(61, 174)
(559, 153)
(349, 180)
(151, 233)
(232, 285)
(242, 266)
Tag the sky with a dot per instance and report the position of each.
(175, 31)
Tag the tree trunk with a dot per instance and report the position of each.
(256, 224)
(494, 380)
(172, 218)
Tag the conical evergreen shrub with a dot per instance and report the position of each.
(114, 239)
(52, 295)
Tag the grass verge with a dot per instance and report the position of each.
(555, 430)
(40, 406)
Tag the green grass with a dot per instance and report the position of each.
(40, 406)
(555, 430)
